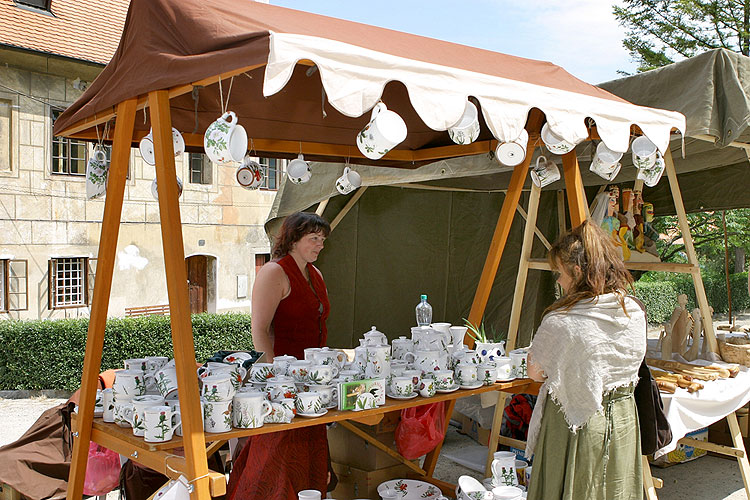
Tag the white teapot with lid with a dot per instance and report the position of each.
(374, 337)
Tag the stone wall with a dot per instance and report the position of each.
(44, 215)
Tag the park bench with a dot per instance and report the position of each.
(146, 310)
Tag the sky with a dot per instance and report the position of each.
(582, 36)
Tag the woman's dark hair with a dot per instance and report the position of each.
(295, 226)
(600, 268)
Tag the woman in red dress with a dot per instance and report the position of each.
(289, 311)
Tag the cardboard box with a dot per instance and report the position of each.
(347, 448)
(472, 429)
(358, 483)
(9, 493)
(683, 453)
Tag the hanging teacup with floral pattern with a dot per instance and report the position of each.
(96, 174)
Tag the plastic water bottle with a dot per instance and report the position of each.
(424, 312)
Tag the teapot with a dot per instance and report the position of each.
(374, 337)
(401, 346)
(328, 356)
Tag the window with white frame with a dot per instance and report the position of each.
(68, 155)
(14, 285)
(272, 172)
(70, 280)
(200, 169)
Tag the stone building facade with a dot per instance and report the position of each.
(49, 231)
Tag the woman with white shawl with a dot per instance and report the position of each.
(584, 429)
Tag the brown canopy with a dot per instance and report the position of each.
(186, 45)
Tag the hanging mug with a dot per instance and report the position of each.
(249, 174)
(466, 129)
(651, 176)
(298, 170)
(605, 161)
(155, 192)
(385, 131)
(146, 146)
(545, 172)
(96, 174)
(225, 140)
(512, 153)
(349, 181)
(555, 144)
(644, 153)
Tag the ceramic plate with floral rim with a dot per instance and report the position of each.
(409, 489)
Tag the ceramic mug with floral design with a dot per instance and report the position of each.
(518, 359)
(108, 405)
(349, 181)
(466, 373)
(122, 412)
(378, 359)
(260, 372)
(160, 423)
(427, 387)
(249, 174)
(321, 374)
(166, 382)
(402, 386)
(385, 131)
(249, 410)
(298, 170)
(217, 416)
(129, 383)
(329, 393)
(280, 387)
(309, 403)
(140, 403)
(444, 379)
(225, 140)
(512, 153)
(218, 387)
(466, 129)
(487, 373)
(281, 364)
(281, 413)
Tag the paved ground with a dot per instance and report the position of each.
(708, 478)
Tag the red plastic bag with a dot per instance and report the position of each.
(102, 471)
(421, 429)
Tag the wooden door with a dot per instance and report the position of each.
(197, 272)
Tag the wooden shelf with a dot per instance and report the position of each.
(671, 267)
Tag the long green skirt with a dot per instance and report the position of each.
(602, 461)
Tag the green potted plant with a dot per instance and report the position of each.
(488, 344)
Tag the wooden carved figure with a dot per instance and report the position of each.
(697, 328)
(680, 323)
(666, 342)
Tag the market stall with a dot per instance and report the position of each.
(295, 92)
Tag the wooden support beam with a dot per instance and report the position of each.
(649, 488)
(322, 206)
(669, 267)
(499, 238)
(712, 447)
(574, 187)
(177, 291)
(523, 268)
(700, 290)
(560, 212)
(100, 301)
(349, 204)
(382, 447)
(734, 430)
(537, 232)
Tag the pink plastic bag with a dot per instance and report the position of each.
(421, 429)
(102, 471)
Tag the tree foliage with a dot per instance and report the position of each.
(662, 31)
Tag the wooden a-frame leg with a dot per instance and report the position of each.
(102, 288)
(177, 290)
(499, 238)
(734, 430)
(649, 487)
(574, 187)
(700, 290)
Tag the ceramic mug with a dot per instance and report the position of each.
(309, 403)
(512, 153)
(175, 405)
(644, 153)
(385, 131)
(249, 174)
(96, 175)
(298, 170)
(527, 477)
(136, 364)
(155, 189)
(260, 372)
(310, 352)
(225, 140)
(466, 129)
(545, 172)
(503, 468)
(427, 360)
(328, 393)
(321, 374)
(487, 373)
(299, 370)
(249, 410)
(281, 413)
(427, 387)
(444, 379)
(122, 413)
(129, 383)
(400, 346)
(444, 329)
(518, 359)
(166, 382)
(217, 416)
(402, 386)
(327, 356)
(140, 403)
(555, 143)
(98, 403)
(651, 176)
(349, 181)
(146, 146)
(281, 364)
(156, 363)
(605, 161)
(507, 493)
(504, 367)
(466, 373)
(108, 405)
(160, 423)
(280, 387)
(218, 387)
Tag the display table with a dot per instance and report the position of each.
(161, 458)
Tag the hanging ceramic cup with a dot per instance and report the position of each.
(146, 146)
(155, 192)
(298, 170)
(249, 174)
(349, 181)
(651, 176)
(545, 172)
(513, 152)
(466, 130)
(96, 174)
(385, 131)
(605, 161)
(225, 140)
(644, 153)
(555, 143)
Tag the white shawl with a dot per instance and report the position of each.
(586, 351)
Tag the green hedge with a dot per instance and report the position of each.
(48, 354)
(659, 292)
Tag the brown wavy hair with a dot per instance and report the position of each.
(296, 226)
(601, 267)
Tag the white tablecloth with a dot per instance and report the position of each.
(689, 412)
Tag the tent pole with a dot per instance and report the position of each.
(495, 252)
(347, 207)
(100, 300)
(700, 291)
(322, 206)
(574, 186)
(177, 290)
